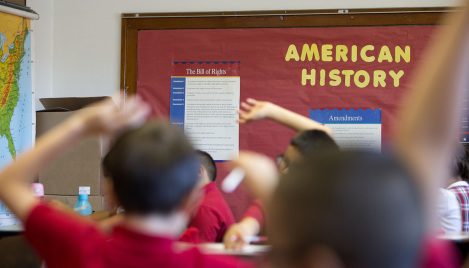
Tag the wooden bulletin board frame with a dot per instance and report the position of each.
(132, 23)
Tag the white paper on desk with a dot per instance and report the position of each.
(219, 248)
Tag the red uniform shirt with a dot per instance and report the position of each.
(64, 241)
(212, 219)
(256, 211)
(437, 253)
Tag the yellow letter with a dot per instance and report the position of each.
(396, 77)
(292, 53)
(326, 52)
(310, 52)
(322, 77)
(347, 74)
(384, 54)
(335, 78)
(401, 54)
(363, 53)
(379, 76)
(341, 52)
(305, 76)
(354, 53)
(356, 79)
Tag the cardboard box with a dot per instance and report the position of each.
(17, 2)
(81, 166)
(98, 203)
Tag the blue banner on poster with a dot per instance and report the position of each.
(178, 101)
(346, 116)
(352, 128)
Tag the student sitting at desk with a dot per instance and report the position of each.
(153, 171)
(312, 137)
(213, 216)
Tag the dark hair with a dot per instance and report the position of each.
(207, 161)
(362, 205)
(313, 141)
(459, 162)
(152, 168)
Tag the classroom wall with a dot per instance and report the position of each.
(77, 43)
(42, 47)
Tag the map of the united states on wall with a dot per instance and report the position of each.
(15, 87)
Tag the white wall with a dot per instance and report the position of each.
(78, 42)
(42, 49)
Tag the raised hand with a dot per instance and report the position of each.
(254, 111)
(102, 118)
(107, 118)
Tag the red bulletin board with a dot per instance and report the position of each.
(272, 69)
(260, 40)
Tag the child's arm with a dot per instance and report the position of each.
(106, 225)
(258, 110)
(103, 118)
(260, 174)
(430, 118)
(261, 179)
(235, 236)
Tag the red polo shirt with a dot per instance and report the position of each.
(211, 220)
(256, 211)
(64, 241)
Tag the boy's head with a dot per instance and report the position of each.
(208, 163)
(153, 168)
(307, 142)
(363, 207)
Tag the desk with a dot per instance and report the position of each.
(248, 250)
(219, 249)
(458, 236)
(15, 252)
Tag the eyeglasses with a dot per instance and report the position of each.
(279, 159)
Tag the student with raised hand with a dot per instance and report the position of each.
(153, 171)
(255, 110)
(212, 215)
(261, 110)
(312, 137)
(363, 209)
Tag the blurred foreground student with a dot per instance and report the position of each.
(213, 215)
(312, 137)
(362, 209)
(153, 170)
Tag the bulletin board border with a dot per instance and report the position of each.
(132, 23)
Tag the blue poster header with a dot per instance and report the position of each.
(178, 101)
(346, 116)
